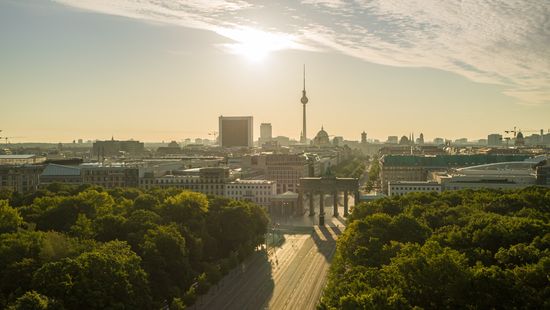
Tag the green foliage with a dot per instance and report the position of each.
(109, 277)
(70, 247)
(351, 168)
(374, 174)
(166, 261)
(82, 227)
(31, 301)
(482, 249)
(10, 219)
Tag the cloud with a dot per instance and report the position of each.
(503, 42)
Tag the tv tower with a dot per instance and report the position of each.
(304, 100)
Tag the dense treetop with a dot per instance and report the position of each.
(90, 248)
(483, 249)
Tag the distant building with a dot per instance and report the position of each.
(519, 141)
(420, 139)
(110, 176)
(399, 188)
(21, 159)
(21, 179)
(393, 139)
(504, 175)
(494, 139)
(286, 170)
(417, 168)
(363, 137)
(235, 131)
(172, 148)
(209, 180)
(258, 191)
(321, 139)
(115, 147)
(54, 173)
(282, 140)
(338, 141)
(543, 175)
(266, 133)
(439, 141)
(461, 141)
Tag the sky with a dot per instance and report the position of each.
(161, 70)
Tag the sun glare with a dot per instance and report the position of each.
(255, 45)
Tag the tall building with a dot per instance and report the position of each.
(363, 137)
(265, 133)
(235, 131)
(494, 139)
(304, 100)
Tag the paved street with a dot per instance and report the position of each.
(291, 277)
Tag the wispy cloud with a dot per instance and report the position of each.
(500, 42)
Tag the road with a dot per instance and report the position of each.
(290, 277)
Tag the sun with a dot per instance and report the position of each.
(255, 45)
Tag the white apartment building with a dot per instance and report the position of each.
(399, 188)
(257, 191)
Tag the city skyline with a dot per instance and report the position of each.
(166, 70)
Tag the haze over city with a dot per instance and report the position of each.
(165, 70)
(274, 154)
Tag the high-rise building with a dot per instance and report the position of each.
(235, 131)
(363, 137)
(265, 133)
(494, 139)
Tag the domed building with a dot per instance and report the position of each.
(321, 139)
(520, 140)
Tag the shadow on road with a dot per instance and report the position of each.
(248, 286)
(325, 240)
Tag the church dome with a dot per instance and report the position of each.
(321, 138)
(520, 135)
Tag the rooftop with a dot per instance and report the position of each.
(22, 156)
(446, 161)
(58, 170)
(239, 181)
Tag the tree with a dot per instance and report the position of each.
(484, 249)
(110, 227)
(31, 300)
(82, 228)
(187, 208)
(166, 261)
(109, 277)
(10, 219)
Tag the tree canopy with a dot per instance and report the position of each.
(486, 249)
(87, 248)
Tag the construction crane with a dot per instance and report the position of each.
(6, 138)
(215, 134)
(511, 131)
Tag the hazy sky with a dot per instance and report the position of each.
(165, 69)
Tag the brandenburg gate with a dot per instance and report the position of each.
(329, 184)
